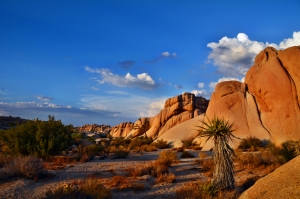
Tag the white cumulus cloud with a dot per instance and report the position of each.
(202, 93)
(295, 41)
(143, 80)
(234, 56)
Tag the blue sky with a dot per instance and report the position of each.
(107, 62)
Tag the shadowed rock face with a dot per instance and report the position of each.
(176, 110)
(267, 104)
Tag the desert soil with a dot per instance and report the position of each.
(185, 171)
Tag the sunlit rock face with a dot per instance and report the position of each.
(176, 110)
(267, 104)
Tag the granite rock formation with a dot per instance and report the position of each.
(176, 110)
(267, 104)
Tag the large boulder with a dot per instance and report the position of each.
(284, 182)
(267, 104)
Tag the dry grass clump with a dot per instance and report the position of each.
(88, 188)
(167, 157)
(261, 159)
(203, 190)
(27, 166)
(153, 168)
(121, 182)
(167, 177)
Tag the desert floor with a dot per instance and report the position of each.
(185, 171)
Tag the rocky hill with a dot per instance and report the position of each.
(176, 110)
(6, 122)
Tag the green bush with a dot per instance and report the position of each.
(250, 143)
(38, 138)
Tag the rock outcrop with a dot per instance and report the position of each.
(94, 128)
(284, 182)
(122, 129)
(176, 110)
(267, 104)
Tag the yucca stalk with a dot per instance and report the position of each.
(220, 131)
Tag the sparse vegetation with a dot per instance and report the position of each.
(205, 190)
(161, 144)
(250, 143)
(167, 177)
(88, 188)
(167, 157)
(188, 143)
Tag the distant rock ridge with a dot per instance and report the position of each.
(176, 110)
(93, 128)
(7, 122)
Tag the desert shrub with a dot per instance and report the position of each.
(167, 157)
(161, 144)
(94, 149)
(119, 181)
(140, 141)
(188, 143)
(262, 158)
(151, 168)
(120, 141)
(5, 159)
(250, 143)
(120, 152)
(167, 177)
(27, 166)
(89, 188)
(186, 154)
(148, 148)
(204, 190)
(38, 138)
(289, 150)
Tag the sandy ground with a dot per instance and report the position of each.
(187, 170)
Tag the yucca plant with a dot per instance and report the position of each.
(220, 131)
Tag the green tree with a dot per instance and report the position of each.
(220, 131)
(40, 138)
